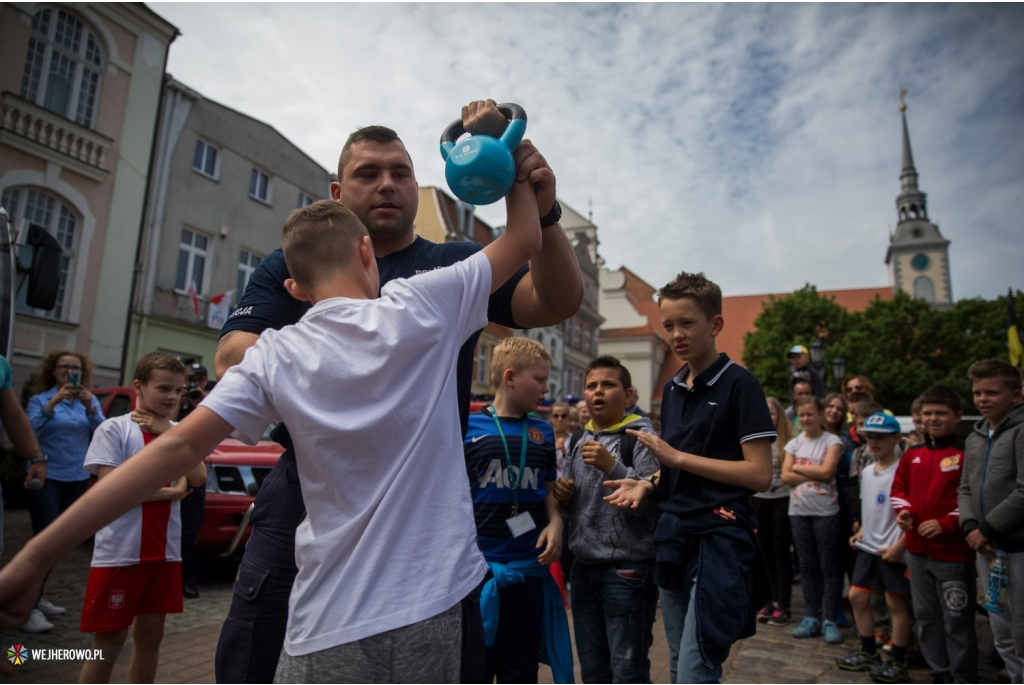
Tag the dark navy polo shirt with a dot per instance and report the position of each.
(266, 304)
(725, 407)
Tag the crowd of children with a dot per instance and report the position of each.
(707, 516)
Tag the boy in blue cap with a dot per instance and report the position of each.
(881, 545)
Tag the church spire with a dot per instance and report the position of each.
(908, 176)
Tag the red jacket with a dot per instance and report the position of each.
(926, 484)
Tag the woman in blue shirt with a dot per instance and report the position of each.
(63, 417)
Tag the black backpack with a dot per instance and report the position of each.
(627, 443)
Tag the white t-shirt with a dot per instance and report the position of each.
(813, 498)
(367, 389)
(148, 532)
(876, 512)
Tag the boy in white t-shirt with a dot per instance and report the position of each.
(366, 385)
(135, 579)
(880, 561)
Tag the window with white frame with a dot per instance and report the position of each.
(206, 159)
(192, 256)
(63, 66)
(247, 263)
(304, 200)
(259, 185)
(32, 206)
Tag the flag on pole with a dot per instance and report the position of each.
(193, 295)
(1013, 332)
(220, 307)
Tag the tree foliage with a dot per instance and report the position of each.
(902, 345)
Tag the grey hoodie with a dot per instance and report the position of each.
(991, 494)
(599, 531)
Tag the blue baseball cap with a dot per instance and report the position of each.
(881, 423)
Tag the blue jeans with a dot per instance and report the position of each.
(613, 618)
(677, 611)
(49, 502)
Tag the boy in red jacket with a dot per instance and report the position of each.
(941, 564)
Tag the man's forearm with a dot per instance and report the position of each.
(552, 291)
(231, 350)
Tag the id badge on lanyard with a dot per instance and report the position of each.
(518, 523)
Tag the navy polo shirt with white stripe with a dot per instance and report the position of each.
(725, 407)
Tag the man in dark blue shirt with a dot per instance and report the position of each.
(376, 181)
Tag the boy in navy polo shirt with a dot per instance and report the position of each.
(715, 454)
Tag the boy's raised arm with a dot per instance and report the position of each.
(127, 486)
(522, 238)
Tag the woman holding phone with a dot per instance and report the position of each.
(63, 414)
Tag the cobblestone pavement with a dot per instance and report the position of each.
(772, 656)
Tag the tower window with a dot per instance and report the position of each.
(903, 215)
(917, 233)
(924, 289)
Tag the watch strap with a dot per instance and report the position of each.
(552, 216)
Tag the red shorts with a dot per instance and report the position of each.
(117, 594)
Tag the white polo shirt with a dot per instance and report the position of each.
(368, 391)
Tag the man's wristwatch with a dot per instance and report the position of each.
(551, 217)
(41, 459)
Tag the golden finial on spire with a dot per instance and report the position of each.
(903, 94)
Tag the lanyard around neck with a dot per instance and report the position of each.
(513, 477)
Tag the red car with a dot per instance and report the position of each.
(235, 473)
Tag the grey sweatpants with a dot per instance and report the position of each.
(424, 652)
(943, 594)
(1008, 628)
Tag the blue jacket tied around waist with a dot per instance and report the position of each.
(556, 647)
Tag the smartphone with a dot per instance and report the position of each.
(75, 379)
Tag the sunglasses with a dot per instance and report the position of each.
(559, 416)
(854, 388)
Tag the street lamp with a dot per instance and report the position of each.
(839, 370)
(818, 353)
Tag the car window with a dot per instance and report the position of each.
(122, 404)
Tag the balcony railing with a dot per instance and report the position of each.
(31, 122)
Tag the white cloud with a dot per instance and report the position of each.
(759, 143)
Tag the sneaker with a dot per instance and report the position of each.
(891, 672)
(49, 609)
(859, 660)
(841, 620)
(36, 623)
(765, 614)
(809, 627)
(831, 632)
(780, 617)
(189, 592)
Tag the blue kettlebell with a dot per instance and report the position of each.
(481, 169)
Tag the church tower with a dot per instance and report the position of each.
(918, 255)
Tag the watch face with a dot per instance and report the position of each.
(920, 262)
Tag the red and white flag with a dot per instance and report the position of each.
(193, 295)
(220, 307)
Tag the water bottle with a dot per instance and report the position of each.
(998, 579)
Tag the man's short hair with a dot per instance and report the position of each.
(868, 408)
(940, 394)
(697, 287)
(516, 354)
(158, 361)
(800, 380)
(915, 406)
(381, 135)
(319, 240)
(996, 368)
(859, 396)
(608, 362)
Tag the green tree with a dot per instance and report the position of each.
(796, 319)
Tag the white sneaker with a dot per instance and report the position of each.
(36, 623)
(49, 609)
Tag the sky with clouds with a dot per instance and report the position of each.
(758, 143)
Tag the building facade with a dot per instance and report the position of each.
(81, 88)
(223, 185)
(918, 255)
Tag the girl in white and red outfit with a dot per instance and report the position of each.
(135, 579)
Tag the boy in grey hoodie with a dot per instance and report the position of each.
(991, 497)
(614, 597)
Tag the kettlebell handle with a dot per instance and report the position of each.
(455, 129)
